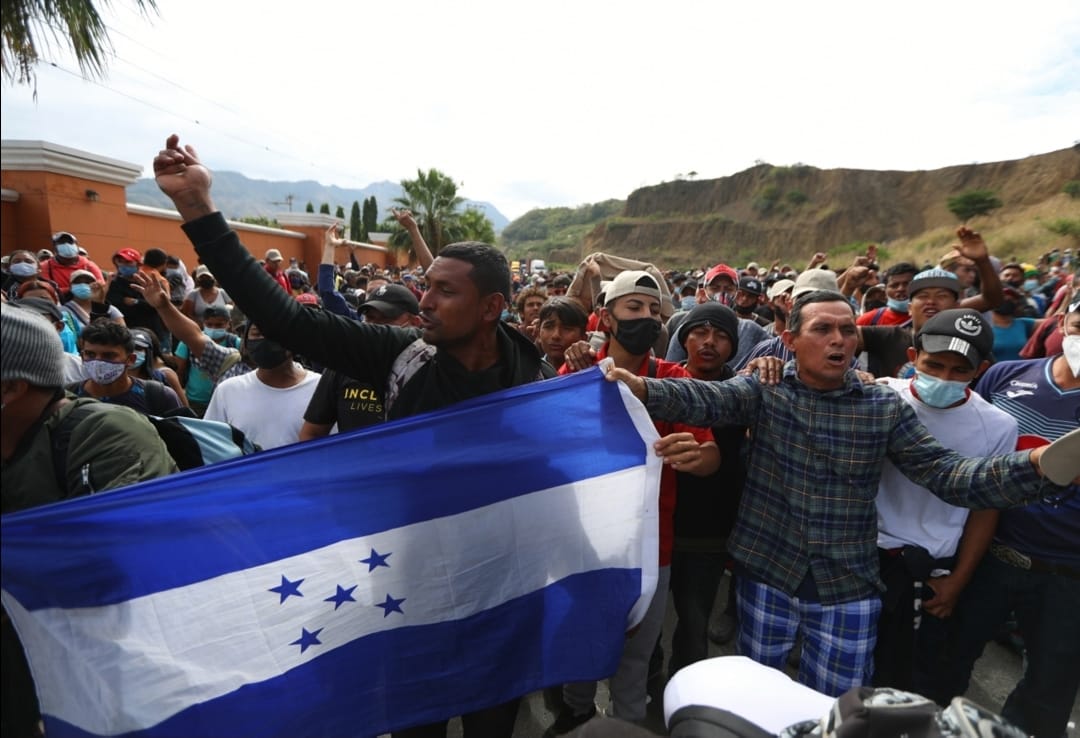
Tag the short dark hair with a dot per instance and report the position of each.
(490, 272)
(155, 258)
(105, 332)
(904, 267)
(569, 312)
(794, 321)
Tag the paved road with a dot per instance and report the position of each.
(995, 675)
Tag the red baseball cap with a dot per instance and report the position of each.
(129, 254)
(722, 270)
(307, 298)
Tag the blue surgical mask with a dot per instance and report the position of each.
(1030, 285)
(140, 359)
(939, 393)
(215, 334)
(81, 291)
(688, 303)
(67, 250)
(899, 306)
(24, 269)
(127, 271)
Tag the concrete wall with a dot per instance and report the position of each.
(48, 188)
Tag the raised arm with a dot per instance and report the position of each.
(408, 222)
(181, 326)
(973, 247)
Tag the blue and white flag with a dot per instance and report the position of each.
(358, 584)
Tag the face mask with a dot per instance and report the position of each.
(688, 303)
(1006, 308)
(939, 392)
(724, 298)
(127, 271)
(23, 269)
(900, 306)
(67, 250)
(265, 353)
(1016, 283)
(1031, 285)
(103, 372)
(1071, 346)
(140, 359)
(638, 335)
(174, 273)
(81, 291)
(206, 282)
(215, 334)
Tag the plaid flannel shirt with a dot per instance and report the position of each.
(215, 356)
(813, 466)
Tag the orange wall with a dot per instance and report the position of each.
(51, 202)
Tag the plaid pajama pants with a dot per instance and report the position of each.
(838, 640)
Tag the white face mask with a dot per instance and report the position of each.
(1071, 346)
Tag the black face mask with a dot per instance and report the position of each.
(1006, 308)
(265, 353)
(744, 310)
(1016, 283)
(638, 335)
(206, 282)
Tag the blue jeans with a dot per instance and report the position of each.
(695, 578)
(1046, 607)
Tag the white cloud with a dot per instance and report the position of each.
(562, 103)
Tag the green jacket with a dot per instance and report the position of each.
(113, 446)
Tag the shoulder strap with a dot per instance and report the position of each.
(878, 315)
(157, 399)
(407, 364)
(61, 439)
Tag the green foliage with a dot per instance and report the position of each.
(356, 225)
(371, 217)
(475, 226)
(340, 212)
(1072, 188)
(796, 197)
(260, 220)
(325, 208)
(967, 205)
(433, 199)
(309, 208)
(766, 199)
(75, 24)
(1064, 227)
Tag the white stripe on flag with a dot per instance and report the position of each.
(129, 666)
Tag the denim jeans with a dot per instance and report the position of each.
(695, 578)
(1046, 607)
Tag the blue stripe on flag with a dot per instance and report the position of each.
(287, 501)
(417, 675)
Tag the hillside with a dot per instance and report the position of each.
(789, 212)
(239, 197)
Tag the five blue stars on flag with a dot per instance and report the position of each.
(291, 588)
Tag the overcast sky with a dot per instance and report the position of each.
(531, 104)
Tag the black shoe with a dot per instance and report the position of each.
(568, 720)
(723, 630)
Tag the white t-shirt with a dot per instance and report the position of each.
(911, 515)
(269, 416)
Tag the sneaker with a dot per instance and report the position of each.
(567, 720)
(723, 630)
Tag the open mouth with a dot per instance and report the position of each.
(837, 357)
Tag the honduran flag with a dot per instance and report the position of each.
(349, 586)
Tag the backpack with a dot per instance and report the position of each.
(157, 399)
(191, 442)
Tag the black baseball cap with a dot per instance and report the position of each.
(962, 331)
(392, 300)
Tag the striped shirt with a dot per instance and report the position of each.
(815, 459)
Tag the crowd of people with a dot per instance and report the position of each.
(858, 447)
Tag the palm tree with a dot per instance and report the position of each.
(76, 23)
(432, 197)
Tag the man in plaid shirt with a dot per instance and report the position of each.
(805, 538)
